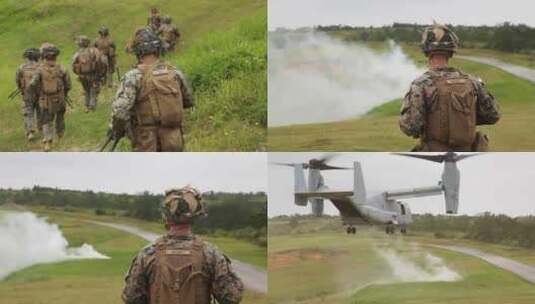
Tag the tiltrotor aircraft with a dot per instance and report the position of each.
(356, 207)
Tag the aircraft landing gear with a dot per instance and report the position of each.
(389, 229)
(351, 230)
(403, 230)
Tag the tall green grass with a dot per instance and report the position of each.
(212, 32)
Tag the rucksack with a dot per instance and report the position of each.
(451, 113)
(28, 71)
(160, 101)
(178, 274)
(51, 80)
(87, 61)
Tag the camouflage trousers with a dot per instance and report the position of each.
(51, 121)
(109, 77)
(157, 139)
(91, 91)
(30, 111)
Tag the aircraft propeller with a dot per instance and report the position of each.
(317, 163)
(439, 158)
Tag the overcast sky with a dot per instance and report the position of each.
(135, 172)
(298, 13)
(496, 182)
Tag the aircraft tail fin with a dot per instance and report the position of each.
(359, 189)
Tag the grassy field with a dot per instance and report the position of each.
(331, 267)
(378, 130)
(222, 52)
(99, 281)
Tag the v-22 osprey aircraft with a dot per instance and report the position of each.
(384, 208)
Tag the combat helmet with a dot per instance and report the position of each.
(83, 41)
(167, 19)
(49, 50)
(439, 38)
(146, 42)
(32, 54)
(104, 31)
(182, 205)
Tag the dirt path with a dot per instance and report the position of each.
(253, 278)
(524, 271)
(519, 71)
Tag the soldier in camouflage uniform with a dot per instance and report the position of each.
(444, 105)
(107, 47)
(51, 85)
(30, 106)
(154, 21)
(90, 65)
(151, 99)
(169, 34)
(179, 267)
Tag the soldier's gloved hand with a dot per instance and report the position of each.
(118, 128)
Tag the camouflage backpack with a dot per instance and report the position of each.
(160, 100)
(104, 46)
(451, 114)
(28, 71)
(87, 62)
(179, 273)
(52, 87)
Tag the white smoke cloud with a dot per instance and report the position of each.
(429, 269)
(26, 240)
(315, 78)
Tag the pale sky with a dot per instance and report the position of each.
(299, 13)
(496, 182)
(135, 172)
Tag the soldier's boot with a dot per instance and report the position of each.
(60, 138)
(47, 145)
(30, 135)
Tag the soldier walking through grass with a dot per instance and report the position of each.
(51, 84)
(30, 106)
(180, 267)
(107, 47)
(444, 105)
(90, 65)
(170, 34)
(150, 102)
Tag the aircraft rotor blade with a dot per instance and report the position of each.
(463, 156)
(288, 164)
(433, 158)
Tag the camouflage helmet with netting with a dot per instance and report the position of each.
(49, 50)
(182, 205)
(154, 10)
(32, 54)
(83, 41)
(439, 38)
(167, 19)
(104, 31)
(146, 42)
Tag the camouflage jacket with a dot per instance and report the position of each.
(413, 109)
(128, 93)
(226, 287)
(35, 84)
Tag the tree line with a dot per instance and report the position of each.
(488, 227)
(242, 215)
(507, 37)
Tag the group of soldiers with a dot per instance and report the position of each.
(149, 102)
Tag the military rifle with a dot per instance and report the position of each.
(110, 137)
(118, 73)
(68, 101)
(14, 94)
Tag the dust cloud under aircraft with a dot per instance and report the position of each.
(356, 207)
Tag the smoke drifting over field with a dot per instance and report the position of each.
(315, 78)
(423, 267)
(26, 240)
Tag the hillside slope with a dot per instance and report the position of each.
(223, 52)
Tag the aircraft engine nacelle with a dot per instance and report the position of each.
(450, 182)
(317, 206)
